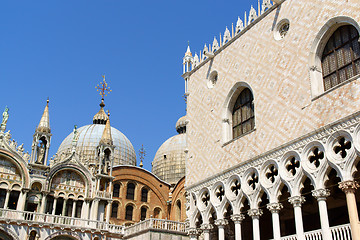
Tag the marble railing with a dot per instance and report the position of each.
(103, 194)
(44, 220)
(160, 224)
(341, 232)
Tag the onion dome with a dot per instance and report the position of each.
(169, 160)
(44, 125)
(89, 138)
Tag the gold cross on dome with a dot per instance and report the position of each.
(142, 154)
(103, 87)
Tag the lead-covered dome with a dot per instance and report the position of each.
(88, 139)
(169, 160)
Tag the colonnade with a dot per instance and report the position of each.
(348, 187)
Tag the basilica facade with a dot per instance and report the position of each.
(273, 125)
(90, 189)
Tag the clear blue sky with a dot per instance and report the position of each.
(60, 49)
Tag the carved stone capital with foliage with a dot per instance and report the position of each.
(255, 213)
(206, 227)
(221, 222)
(349, 186)
(192, 232)
(321, 194)
(274, 207)
(237, 218)
(296, 201)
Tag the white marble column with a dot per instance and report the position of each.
(255, 215)
(23, 200)
(108, 212)
(275, 208)
(95, 209)
(43, 202)
(63, 212)
(237, 219)
(221, 223)
(19, 202)
(296, 201)
(85, 210)
(206, 228)
(321, 195)
(193, 233)
(349, 188)
(8, 191)
(54, 206)
(73, 209)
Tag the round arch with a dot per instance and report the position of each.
(8, 234)
(63, 236)
(317, 48)
(20, 164)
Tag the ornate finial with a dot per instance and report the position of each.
(103, 87)
(4, 119)
(142, 154)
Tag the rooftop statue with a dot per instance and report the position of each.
(4, 119)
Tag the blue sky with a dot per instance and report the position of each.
(60, 49)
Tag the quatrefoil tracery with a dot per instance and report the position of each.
(205, 198)
(253, 180)
(235, 187)
(219, 193)
(342, 146)
(292, 166)
(316, 157)
(271, 173)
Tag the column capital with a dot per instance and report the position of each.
(206, 227)
(255, 212)
(349, 186)
(321, 194)
(109, 201)
(8, 190)
(237, 218)
(221, 222)
(296, 201)
(274, 207)
(192, 232)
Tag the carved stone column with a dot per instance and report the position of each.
(296, 201)
(108, 212)
(8, 191)
(206, 228)
(63, 212)
(193, 233)
(54, 205)
(221, 223)
(321, 195)
(19, 202)
(349, 188)
(275, 208)
(43, 202)
(73, 208)
(237, 219)
(255, 215)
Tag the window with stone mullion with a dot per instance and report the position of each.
(341, 57)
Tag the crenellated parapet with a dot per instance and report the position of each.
(191, 62)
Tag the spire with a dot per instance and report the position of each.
(106, 138)
(44, 125)
(188, 52)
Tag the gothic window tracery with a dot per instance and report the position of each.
(341, 57)
(243, 113)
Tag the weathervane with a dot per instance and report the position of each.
(142, 154)
(103, 87)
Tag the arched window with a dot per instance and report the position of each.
(130, 191)
(144, 195)
(114, 210)
(341, 57)
(116, 191)
(243, 113)
(143, 213)
(157, 213)
(32, 235)
(129, 212)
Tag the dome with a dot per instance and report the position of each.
(89, 138)
(169, 160)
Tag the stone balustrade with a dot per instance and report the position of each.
(103, 194)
